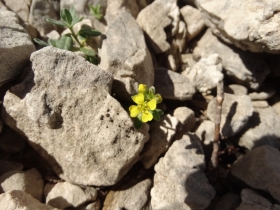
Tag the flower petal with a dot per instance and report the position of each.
(134, 111)
(142, 88)
(138, 99)
(152, 104)
(146, 116)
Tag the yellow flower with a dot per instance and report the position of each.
(158, 98)
(142, 88)
(143, 107)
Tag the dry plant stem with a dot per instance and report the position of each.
(219, 102)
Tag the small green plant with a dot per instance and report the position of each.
(95, 11)
(145, 110)
(68, 19)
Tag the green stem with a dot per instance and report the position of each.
(75, 37)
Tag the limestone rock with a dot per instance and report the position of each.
(21, 8)
(236, 89)
(252, 200)
(161, 136)
(124, 54)
(20, 200)
(243, 67)
(262, 94)
(259, 169)
(39, 11)
(262, 128)
(250, 25)
(172, 85)
(29, 181)
(228, 201)
(236, 112)
(180, 37)
(180, 182)
(15, 47)
(186, 117)
(6, 166)
(66, 195)
(69, 117)
(206, 73)
(194, 21)
(133, 197)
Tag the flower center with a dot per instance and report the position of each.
(144, 107)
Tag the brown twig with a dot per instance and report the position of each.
(219, 102)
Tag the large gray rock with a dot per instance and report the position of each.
(259, 168)
(66, 195)
(243, 67)
(236, 111)
(28, 181)
(250, 25)
(179, 181)
(124, 54)
(172, 85)
(15, 47)
(252, 200)
(21, 8)
(20, 200)
(69, 117)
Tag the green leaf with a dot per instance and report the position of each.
(41, 42)
(64, 43)
(156, 115)
(52, 42)
(93, 59)
(159, 111)
(56, 22)
(89, 32)
(82, 39)
(66, 16)
(95, 11)
(88, 51)
(75, 17)
(137, 121)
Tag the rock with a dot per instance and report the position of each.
(21, 8)
(172, 85)
(275, 103)
(3, 6)
(236, 89)
(250, 25)
(186, 117)
(187, 60)
(180, 37)
(161, 136)
(228, 201)
(243, 67)
(262, 128)
(124, 54)
(194, 21)
(90, 206)
(53, 35)
(236, 113)
(206, 73)
(179, 181)
(263, 94)
(20, 200)
(39, 11)
(70, 119)
(15, 47)
(7, 166)
(29, 181)
(130, 198)
(66, 195)
(153, 19)
(259, 169)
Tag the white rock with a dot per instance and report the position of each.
(19, 200)
(21, 8)
(194, 21)
(65, 195)
(236, 89)
(15, 47)
(206, 73)
(69, 118)
(252, 200)
(250, 25)
(246, 68)
(236, 111)
(29, 181)
(131, 197)
(179, 181)
(262, 94)
(259, 169)
(186, 116)
(180, 37)
(172, 85)
(124, 54)
(161, 136)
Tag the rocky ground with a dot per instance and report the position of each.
(67, 140)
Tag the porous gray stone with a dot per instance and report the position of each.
(66, 195)
(259, 169)
(15, 47)
(179, 181)
(66, 112)
(250, 25)
(244, 68)
(236, 112)
(186, 117)
(172, 85)
(124, 54)
(29, 181)
(21, 8)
